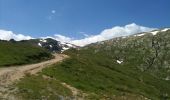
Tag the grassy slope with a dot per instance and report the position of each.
(41, 88)
(20, 53)
(94, 69)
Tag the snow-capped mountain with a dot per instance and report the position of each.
(152, 32)
(54, 45)
(66, 46)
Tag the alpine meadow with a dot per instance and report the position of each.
(84, 50)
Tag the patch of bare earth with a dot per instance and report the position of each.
(9, 75)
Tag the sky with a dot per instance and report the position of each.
(78, 20)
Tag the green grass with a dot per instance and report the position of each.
(94, 70)
(100, 75)
(39, 88)
(21, 53)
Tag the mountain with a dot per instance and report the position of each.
(50, 44)
(135, 67)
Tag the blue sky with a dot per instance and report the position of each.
(73, 18)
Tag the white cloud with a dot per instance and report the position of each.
(51, 15)
(7, 35)
(62, 38)
(53, 11)
(106, 34)
(116, 31)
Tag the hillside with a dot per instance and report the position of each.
(9, 75)
(135, 67)
(18, 53)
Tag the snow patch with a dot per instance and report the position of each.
(119, 61)
(43, 40)
(50, 46)
(40, 44)
(154, 32)
(140, 34)
(69, 45)
(64, 48)
(164, 30)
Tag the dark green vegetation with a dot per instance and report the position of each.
(41, 88)
(18, 53)
(144, 72)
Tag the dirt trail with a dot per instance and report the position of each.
(9, 75)
(77, 94)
